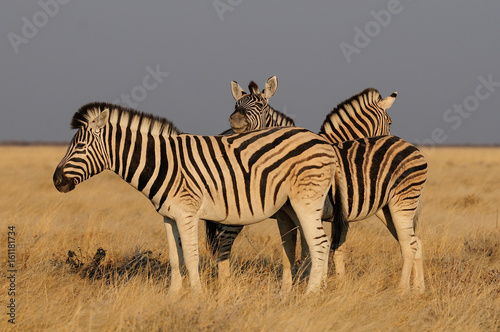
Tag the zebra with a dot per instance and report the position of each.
(237, 179)
(244, 119)
(362, 115)
(384, 175)
(220, 238)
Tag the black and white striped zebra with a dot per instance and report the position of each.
(252, 110)
(362, 115)
(384, 175)
(237, 179)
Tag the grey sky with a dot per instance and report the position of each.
(436, 54)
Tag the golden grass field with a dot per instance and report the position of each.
(459, 227)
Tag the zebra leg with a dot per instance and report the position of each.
(418, 267)
(309, 215)
(304, 267)
(288, 231)
(188, 231)
(212, 233)
(339, 235)
(409, 242)
(220, 240)
(384, 215)
(225, 239)
(175, 255)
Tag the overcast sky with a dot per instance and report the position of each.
(176, 59)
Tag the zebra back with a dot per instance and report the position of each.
(362, 115)
(148, 152)
(377, 169)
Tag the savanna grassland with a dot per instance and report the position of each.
(127, 288)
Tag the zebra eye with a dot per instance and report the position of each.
(80, 146)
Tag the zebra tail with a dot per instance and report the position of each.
(417, 213)
(340, 224)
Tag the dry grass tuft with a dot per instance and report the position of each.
(66, 281)
(467, 201)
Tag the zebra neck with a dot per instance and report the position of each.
(345, 126)
(144, 159)
(358, 117)
(275, 118)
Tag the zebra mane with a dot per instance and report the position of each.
(279, 117)
(119, 114)
(369, 96)
(253, 88)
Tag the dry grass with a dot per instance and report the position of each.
(459, 228)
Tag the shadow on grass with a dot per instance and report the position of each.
(140, 264)
(149, 265)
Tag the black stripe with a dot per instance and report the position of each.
(376, 164)
(359, 162)
(186, 170)
(150, 165)
(92, 160)
(342, 133)
(342, 153)
(269, 146)
(409, 171)
(291, 154)
(136, 156)
(414, 184)
(162, 173)
(174, 174)
(211, 150)
(285, 176)
(232, 175)
(203, 158)
(246, 175)
(126, 150)
(108, 134)
(118, 136)
(190, 152)
(397, 159)
(351, 122)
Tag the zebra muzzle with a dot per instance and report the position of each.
(61, 182)
(238, 121)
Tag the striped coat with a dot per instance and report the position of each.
(238, 179)
(384, 176)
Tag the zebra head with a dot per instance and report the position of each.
(250, 110)
(86, 154)
(362, 115)
(385, 104)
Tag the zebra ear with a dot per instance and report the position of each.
(101, 120)
(387, 102)
(271, 87)
(237, 91)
